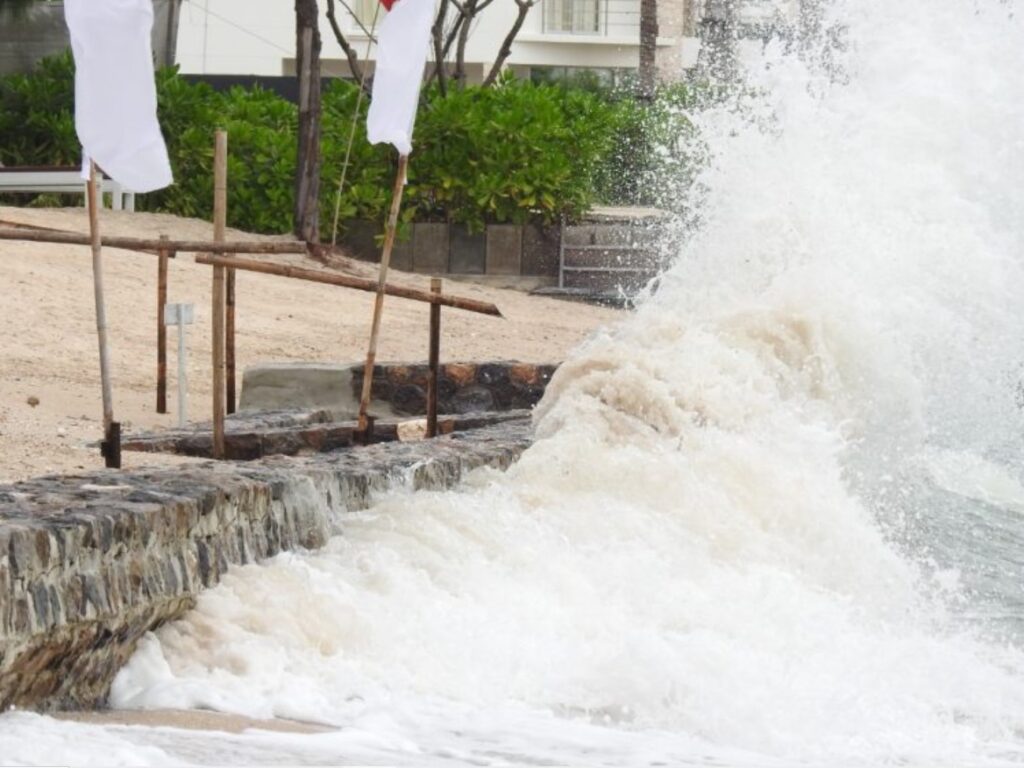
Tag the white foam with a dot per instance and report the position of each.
(691, 564)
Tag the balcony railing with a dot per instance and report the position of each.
(595, 18)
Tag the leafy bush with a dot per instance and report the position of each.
(37, 122)
(511, 153)
(507, 154)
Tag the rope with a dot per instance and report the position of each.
(352, 132)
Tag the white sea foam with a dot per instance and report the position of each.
(704, 558)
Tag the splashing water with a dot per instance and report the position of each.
(773, 517)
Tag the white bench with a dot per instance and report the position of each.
(67, 181)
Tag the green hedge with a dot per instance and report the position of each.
(511, 153)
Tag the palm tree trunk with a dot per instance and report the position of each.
(647, 74)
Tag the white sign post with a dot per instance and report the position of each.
(181, 315)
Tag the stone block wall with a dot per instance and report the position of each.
(462, 387)
(436, 248)
(89, 563)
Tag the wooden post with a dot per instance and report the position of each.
(110, 448)
(435, 354)
(220, 173)
(161, 330)
(378, 304)
(229, 341)
(345, 281)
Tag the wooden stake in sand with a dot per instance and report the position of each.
(434, 359)
(229, 337)
(378, 304)
(161, 329)
(111, 445)
(220, 174)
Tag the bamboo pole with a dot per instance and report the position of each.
(111, 445)
(220, 169)
(434, 359)
(153, 245)
(347, 281)
(161, 330)
(229, 340)
(378, 304)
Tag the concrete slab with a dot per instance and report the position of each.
(281, 386)
(504, 249)
(469, 251)
(430, 249)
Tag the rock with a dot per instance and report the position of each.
(473, 399)
(33, 401)
(409, 399)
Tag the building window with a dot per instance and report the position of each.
(575, 17)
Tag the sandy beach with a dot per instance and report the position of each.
(50, 405)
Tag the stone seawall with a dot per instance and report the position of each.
(89, 563)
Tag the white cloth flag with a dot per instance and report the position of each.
(402, 45)
(115, 95)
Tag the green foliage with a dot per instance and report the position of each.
(515, 152)
(37, 123)
(507, 154)
(656, 149)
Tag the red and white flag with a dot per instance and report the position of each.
(402, 45)
(115, 95)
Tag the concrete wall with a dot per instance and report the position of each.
(27, 38)
(90, 563)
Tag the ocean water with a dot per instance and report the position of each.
(773, 518)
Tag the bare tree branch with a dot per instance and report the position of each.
(506, 47)
(437, 32)
(468, 13)
(353, 58)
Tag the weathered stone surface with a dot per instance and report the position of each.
(504, 249)
(277, 386)
(460, 373)
(473, 399)
(430, 248)
(541, 247)
(512, 385)
(89, 563)
(468, 251)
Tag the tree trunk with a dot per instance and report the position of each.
(307, 168)
(647, 73)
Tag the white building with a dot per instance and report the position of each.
(257, 37)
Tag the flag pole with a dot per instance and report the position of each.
(378, 304)
(111, 446)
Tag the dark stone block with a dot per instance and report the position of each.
(243, 446)
(19, 550)
(41, 603)
(469, 251)
(527, 397)
(445, 388)
(360, 238)
(540, 250)
(409, 399)
(43, 548)
(203, 556)
(402, 252)
(504, 249)
(472, 399)
(430, 248)
(492, 374)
